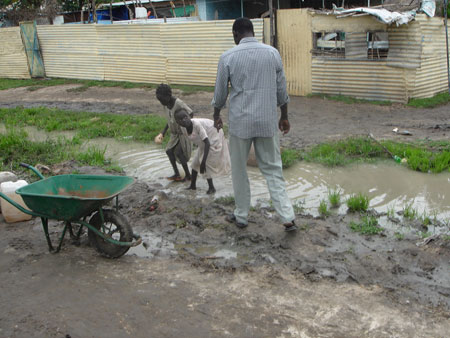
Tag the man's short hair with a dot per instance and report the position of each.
(243, 25)
(164, 90)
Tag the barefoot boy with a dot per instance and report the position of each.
(179, 147)
(212, 157)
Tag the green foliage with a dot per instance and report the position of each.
(225, 200)
(437, 100)
(298, 206)
(425, 234)
(391, 211)
(35, 84)
(323, 208)
(334, 196)
(358, 203)
(426, 156)
(409, 212)
(142, 128)
(93, 156)
(399, 236)
(16, 148)
(367, 226)
(289, 157)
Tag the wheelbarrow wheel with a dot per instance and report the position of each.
(116, 227)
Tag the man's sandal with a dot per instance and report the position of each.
(232, 219)
(291, 226)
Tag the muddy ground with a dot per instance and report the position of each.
(199, 276)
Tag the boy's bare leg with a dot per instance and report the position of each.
(194, 175)
(171, 155)
(211, 189)
(183, 160)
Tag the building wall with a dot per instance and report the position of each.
(13, 60)
(294, 43)
(415, 65)
(178, 53)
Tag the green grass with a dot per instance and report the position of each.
(409, 212)
(141, 128)
(350, 100)
(334, 196)
(323, 208)
(298, 206)
(399, 236)
(35, 84)
(367, 226)
(16, 148)
(225, 200)
(425, 156)
(289, 157)
(391, 211)
(358, 203)
(437, 100)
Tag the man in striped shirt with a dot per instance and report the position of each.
(258, 85)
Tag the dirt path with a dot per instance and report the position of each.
(201, 277)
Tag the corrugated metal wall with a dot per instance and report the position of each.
(355, 75)
(431, 78)
(13, 60)
(179, 53)
(295, 43)
(361, 79)
(70, 51)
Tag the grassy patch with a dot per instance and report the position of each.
(409, 212)
(323, 208)
(34, 84)
(358, 203)
(437, 100)
(141, 128)
(334, 196)
(399, 236)
(298, 206)
(350, 100)
(16, 148)
(225, 200)
(367, 226)
(289, 157)
(424, 156)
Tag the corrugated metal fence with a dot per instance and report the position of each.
(13, 60)
(179, 53)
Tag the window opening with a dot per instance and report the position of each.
(329, 44)
(377, 45)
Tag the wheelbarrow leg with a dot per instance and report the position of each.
(62, 237)
(47, 236)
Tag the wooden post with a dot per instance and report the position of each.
(271, 22)
(82, 14)
(110, 11)
(446, 41)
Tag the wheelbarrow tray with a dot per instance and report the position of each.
(71, 197)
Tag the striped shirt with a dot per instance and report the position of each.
(258, 86)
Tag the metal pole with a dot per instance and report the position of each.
(446, 42)
(242, 8)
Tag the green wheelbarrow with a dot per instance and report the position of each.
(75, 198)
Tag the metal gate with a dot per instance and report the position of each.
(31, 43)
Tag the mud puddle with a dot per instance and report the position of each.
(392, 188)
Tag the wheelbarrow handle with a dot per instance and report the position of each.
(37, 172)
